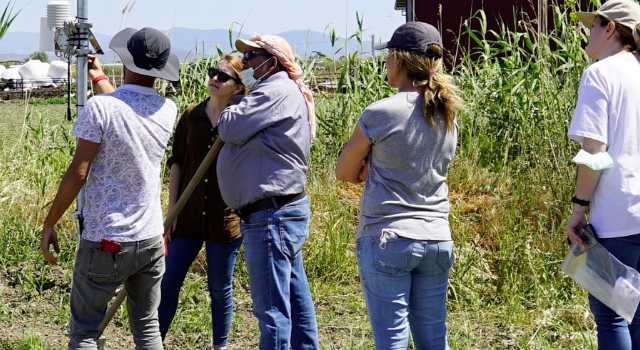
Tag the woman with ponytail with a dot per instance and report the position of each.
(401, 148)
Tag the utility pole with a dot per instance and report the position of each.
(373, 42)
(346, 32)
(196, 48)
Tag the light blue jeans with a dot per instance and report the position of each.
(405, 287)
(97, 274)
(613, 330)
(221, 261)
(282, 303)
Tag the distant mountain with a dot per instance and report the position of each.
(25, 43)
(305, 43)
(191, 43)
(19, 45)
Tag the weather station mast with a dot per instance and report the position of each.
(70, 37)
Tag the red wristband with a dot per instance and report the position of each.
(95, 80)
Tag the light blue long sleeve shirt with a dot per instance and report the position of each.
(267, 143)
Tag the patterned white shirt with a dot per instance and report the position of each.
(122, 193)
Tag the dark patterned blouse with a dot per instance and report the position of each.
(205, 215)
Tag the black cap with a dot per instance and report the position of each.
(146, 52)
(412, 36)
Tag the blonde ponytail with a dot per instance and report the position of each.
(440, 93)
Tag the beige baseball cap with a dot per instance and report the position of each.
(625, 12)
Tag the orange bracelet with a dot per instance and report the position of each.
(95, 80)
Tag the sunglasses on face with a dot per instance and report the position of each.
(222, 76)
(251, 54)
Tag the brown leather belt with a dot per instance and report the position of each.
(269, 203)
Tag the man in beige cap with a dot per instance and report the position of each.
(262, 174)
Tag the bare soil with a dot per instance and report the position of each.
(36, 313)
(42, 313)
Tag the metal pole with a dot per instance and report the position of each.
(410, 14)
(373, 42)
(82, 51)
(346, 33)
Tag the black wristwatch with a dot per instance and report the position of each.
(579, 201)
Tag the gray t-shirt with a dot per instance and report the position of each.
(405, 191)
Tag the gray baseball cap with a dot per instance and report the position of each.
(625, 12)
(147, 52)
(412, 36)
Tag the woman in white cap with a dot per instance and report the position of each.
(402, 147)
(606, 122)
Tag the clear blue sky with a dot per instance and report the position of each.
(258, 16)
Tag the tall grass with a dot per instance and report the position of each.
(510, 183)
(7, 18)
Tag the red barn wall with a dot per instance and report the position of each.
(449, 15)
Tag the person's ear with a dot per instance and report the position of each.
(611, 27)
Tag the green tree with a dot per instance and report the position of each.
(6, 19)
(39, 55)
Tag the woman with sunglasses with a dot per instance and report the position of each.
(205, 217)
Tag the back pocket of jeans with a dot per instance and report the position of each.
(446, 257)
(391, 260)
(104, 266)
(293, 233)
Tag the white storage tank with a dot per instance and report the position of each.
(58, 70)
(10, 73)
(33, 69)
(11, 77)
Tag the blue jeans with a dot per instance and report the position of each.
(405, 286)
(97, 274)
(273, 240)
(613, 330)
(221, 260)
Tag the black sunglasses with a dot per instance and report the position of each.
(251, 54)
(222, 76)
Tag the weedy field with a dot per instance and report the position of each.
(510, 184)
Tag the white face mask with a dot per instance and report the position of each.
(247, 76)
